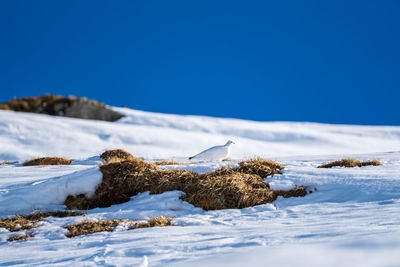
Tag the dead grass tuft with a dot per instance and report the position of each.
(17, 223)
(26, 222)
(48, 161)
(90, 227)
(153, 222)
(5, 162)
(70, 106)
(169, 162)
(19, 237)
(44, 104)
(372, 162)
(299, 191)
(117, 155)
(262, 167)
(349, 163)
(237, 187)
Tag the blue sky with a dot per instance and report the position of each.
(320, 61)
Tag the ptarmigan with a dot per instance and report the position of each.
(215, 153)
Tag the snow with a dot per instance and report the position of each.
(352, 218)
(38, 193)
(154, 136)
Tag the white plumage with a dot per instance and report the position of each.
(215, 153)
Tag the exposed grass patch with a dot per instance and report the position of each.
(299, 191)
(261, 167)
(116, 155)
(19, 237)
(5, 162)
(17, 223)
(161, 221)
(70, 106)
(26, 222)
(44, 104)
(349, 163)
(48, 161)
(169, 162)
(91, 227)
(237, 187)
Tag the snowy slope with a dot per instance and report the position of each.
(353, 219)
(153, 135)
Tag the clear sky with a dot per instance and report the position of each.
(322, 61)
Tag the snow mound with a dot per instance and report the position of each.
(44, 194)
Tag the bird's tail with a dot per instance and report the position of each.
(190, 158)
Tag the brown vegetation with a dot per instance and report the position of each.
(299, 191)
(43, 104)
(17, 223)
(349, 163)
(25, 222)
(48, 161)
(116, 155)
(237, 187)
(153, 222)
(19, 237)
(70, 106)
(90, 227)
(170, 162)
(5, 162)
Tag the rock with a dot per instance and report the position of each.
(63, 106)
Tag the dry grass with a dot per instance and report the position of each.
(19, 237)
(224, 188)
(17, 223)
(43, 104)
(116, 155)
(26, 222)
(90, 227)
(48, 161)
(299, 191)
(169, 162)
(262, 167)
(153, 222)
(5, 162)
(349, 163)
(70, 106)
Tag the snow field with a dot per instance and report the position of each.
(352, 219)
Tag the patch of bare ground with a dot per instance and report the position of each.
(43, 104)
(26, 222)
(170, 162)
(91, 227)
(299, 191)
(70, 106)
(350, 163)
(161, 221)
(19, 237)
(225, 188)
(116, 155)
(48, 161)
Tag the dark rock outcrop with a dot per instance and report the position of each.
(63, 106)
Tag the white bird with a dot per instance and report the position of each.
(215, 153)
